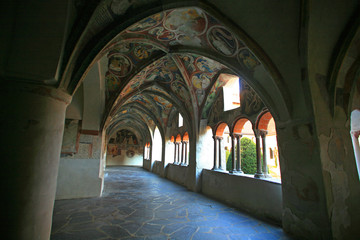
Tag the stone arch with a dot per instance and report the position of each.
(220, 129)
(263, 120)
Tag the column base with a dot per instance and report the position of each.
(238, 172)
(259, 175)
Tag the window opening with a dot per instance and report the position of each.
(232, 94)
(181, 120)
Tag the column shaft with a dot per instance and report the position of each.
(259, 173)
(233, 164)
(220, 152)
(215, 154)
(32, 127)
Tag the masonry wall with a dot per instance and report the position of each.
(261, 198)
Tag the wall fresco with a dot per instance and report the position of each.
(189, 77)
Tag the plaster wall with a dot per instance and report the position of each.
(123, 160)
(78, 178)
(260, 197)
(80, 173)
(176, 173)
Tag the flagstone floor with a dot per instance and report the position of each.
(140, 205)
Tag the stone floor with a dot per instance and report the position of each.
(137, 204)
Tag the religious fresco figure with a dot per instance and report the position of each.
(120, 65)
(222, 40)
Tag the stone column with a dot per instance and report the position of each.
(178, 152)
(174, 152)
(182, 152)
(263, 134)
(233, 164)
(220, 152)
(259, 173)
(32, 125)
(238, 154)
(355, 142)
(215, 154)
(186, 154)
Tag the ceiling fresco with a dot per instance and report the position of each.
(142, 68)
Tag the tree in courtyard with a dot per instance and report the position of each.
(248, 157)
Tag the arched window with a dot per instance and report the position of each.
(231, 92)
(244, 148)
(219, 147)
(180, 121)
(269, 148)
(185, 149)
(355, 133)
(157, 145)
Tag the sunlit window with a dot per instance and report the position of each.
(232, 94)
(181, 120)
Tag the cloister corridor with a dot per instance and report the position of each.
(137, 204)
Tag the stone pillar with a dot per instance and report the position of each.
(215, 154)
(186, 153)
(355, 142)
(263, 134)
(220, 152)
(182, 152)
(259, 173)
(238, 154)
(174, 152)
(178, 152)
(233, 164)
(32, 125)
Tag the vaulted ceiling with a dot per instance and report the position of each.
(164, 64)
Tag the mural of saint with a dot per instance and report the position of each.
(222, 40)
(189, 21)
(112, 83)
(200, 80)
(246, 58)
(119, 64)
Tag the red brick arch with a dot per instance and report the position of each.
(263, 121)
(172, 139)
(186, 136)
(220, 129)
(178, 138)
(239, 125)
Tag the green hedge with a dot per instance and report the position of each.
(248, 157)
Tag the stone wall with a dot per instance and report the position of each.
(261, 198)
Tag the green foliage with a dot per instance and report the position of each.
(248, 157)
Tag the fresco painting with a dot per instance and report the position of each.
(112, 84)
(120, 65)
(248, 59)
(250, 101)
(191, 76)
(222, 40)
(212, 96)
(187, 21)
(147, 23)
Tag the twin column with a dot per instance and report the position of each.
(183, 155)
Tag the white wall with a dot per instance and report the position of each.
(78, 178)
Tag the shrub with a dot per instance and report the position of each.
(248, 157)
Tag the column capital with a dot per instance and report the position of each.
(237, 135)
(263, 133)
(217, 137)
